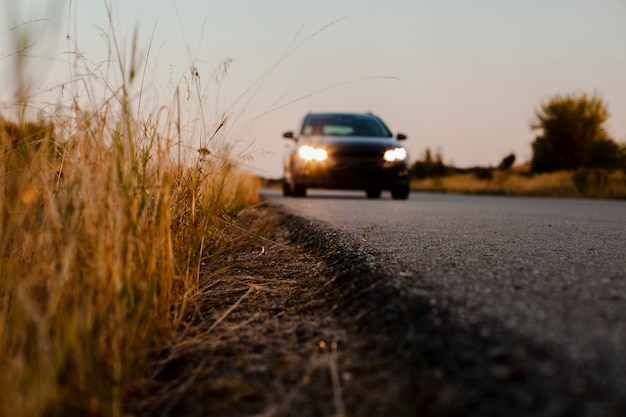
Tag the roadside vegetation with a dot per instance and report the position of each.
(519, 182)
(109, 226)
(573, 156)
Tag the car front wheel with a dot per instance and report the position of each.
(286, 189)
(400, 192)
(298, 190)
(373, 192)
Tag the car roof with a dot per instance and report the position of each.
(339, 113)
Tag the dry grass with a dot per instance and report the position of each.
(270, 338)
(105, 227)
(589, 184)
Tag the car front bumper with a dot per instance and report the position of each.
(351, 174)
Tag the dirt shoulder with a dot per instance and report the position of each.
(271, 342)
(300, 325)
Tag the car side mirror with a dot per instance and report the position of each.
(288, 135)
(401, 136)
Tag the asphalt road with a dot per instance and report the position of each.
(551, 270)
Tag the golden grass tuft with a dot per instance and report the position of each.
(104, 229)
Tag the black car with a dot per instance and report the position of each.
(354, 151)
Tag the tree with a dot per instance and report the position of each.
(573, 135)
(430, 167)
(507, 162)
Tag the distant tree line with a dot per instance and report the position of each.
(429, 167)
(572, 138)
(434, 167)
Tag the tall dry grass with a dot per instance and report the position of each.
(104, 231)
(579, 184)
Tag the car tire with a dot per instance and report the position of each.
(400, 192)
(286, 189)
(373, 192)
(298, 190)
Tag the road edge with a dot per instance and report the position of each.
(476, 371)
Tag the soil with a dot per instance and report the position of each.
(294, 325)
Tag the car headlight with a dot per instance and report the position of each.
(309, 153)
(395, 154)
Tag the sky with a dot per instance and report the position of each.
(459, 77)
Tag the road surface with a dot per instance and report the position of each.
(550, 270)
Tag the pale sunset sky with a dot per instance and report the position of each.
(462, 77)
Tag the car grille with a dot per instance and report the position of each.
(356, 153)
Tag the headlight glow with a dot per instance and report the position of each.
(309, 153)
(396, 154)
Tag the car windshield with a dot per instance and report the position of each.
(344, 125)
